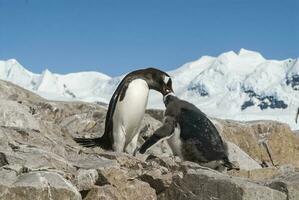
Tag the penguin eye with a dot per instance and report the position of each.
(166, 79)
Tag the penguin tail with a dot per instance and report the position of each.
(93, 142)
(88, 142)
(229, 165)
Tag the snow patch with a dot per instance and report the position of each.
(240, 86)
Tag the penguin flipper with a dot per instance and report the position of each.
(229, 165)
(164, 131)
(92, 142)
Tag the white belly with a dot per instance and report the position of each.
(175, 142)
(129, 112)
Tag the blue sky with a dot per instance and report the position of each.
(115, 37)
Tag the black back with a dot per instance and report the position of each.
(150, 75)
(199, 135)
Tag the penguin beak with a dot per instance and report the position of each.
(166, 90)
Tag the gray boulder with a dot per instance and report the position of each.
(39, 185)
(14, 114)
(203, 184)
(288, 184)
(106, 192)
(237, 155)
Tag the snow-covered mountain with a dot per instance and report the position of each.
(243, 86)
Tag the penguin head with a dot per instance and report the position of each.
(159, 81)
(168, 98)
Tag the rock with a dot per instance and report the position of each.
(159, 171)
(172, 163)
(124, 160)
(156, 114)
(261, 138)
(40, 185)
(17, 115)
(263, 174)
(256, 174)
(3, 160)
(7, 177)
(203, 184)
(127, 187)
(187, 165)
(288, 184)
(245, 162)
(160, 182)
(86, 179)
(36, 158)
(18, 169)
(94, 162)
(90, 123)
(106, 192)
(135, 189)
(12, 92)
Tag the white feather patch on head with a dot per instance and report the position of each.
(171, 93)
(166, 79)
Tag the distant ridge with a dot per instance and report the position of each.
(242, 86)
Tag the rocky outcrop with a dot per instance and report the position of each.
(269, 143)
(243, 160)
(286, 183)
(202, 184)
(40, 160)
(106, 192)
(37, 185)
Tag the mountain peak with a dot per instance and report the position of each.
(235, 85)
(243, 51)
(12, 61)
(12, 67)
(250, 54)
(228, 54)
(46, 72)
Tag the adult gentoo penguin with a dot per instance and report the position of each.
(126, 110)
(190, 134)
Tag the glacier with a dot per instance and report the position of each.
(238, 86)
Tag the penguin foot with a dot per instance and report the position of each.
(231, 165)
(88, 142)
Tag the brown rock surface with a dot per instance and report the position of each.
(39, 185)
(106, 192)
(257, 138)
(201, 184)
(287, 183)
(40, 160)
